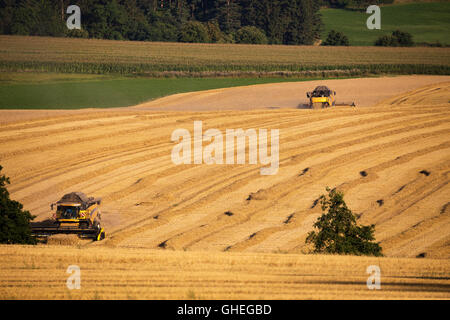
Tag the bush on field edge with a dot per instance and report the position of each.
(14, 221)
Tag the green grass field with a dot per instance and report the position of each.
(427, 22)
(62, 91)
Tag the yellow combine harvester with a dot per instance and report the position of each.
(321, 97)
(75, 214)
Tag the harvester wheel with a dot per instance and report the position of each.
(317, 105)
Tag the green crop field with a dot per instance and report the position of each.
(60, 91)
(427, 22)
(212, 60)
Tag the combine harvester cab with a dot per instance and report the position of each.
(321, 97)
(75, 214)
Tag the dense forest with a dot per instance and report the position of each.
(223, 21)
(260, 21)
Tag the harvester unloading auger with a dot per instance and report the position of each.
(75, 214)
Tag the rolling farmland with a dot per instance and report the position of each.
(426, 22)
(225, 231)
(148, 201)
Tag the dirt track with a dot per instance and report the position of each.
(149, 202)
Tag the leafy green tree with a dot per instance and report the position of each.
(214, 33)
(6, 16)
(358, 4)
(179, 10)
(48, 20)
(271, 20)
(14, 222)
(75, 33)
(282, 21)
(228, 14)
(250, 12)
(194, 31)
(23, 18)
(338, 232)
(136, 26)
(163, 26)
(310, 23)
(404, 39)
(251, 35)
(31, 17)
(335, 38)
(106, 19)
(337, 3)
(397, 39)
(386, 41)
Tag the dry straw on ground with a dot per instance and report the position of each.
(149, 203)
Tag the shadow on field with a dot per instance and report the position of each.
(303, 106)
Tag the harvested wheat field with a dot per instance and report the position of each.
(391, 160)
(106, 273)
(363, 92)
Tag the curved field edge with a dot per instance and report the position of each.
(104, 92)
(53, 92)
(113, 273)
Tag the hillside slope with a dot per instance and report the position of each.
(124, 156)
(427, 22)
(363, 92)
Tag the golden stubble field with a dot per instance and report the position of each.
(118, 273)
(225, 231)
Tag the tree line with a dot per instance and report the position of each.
(354, 4)
(226, 21)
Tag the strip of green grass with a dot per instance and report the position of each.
(427, 22)
(48, 77)
(122, 92)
